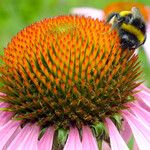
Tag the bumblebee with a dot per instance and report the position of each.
(131, 28)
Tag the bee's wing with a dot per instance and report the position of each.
(136, 12)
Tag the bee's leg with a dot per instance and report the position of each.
(117, 24)
(115, 20)
(111, 16)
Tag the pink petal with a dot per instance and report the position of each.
(142, 104)
(140, 130)
(2, 94)
(144, 96)
(88, 140)
(135, 146)
(46, 141)
(105, 146)
(87, 11)
(126, 132)
(143, 87)
(139, 100)
(73, 141)
(5, 117)
(147, 43)
(16, 132)
(140, 113)
(7, 131)
(3, 105)
(116, 141)
(26, 140)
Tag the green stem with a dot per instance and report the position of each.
(99, 144)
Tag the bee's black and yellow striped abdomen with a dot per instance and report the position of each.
(132, 34)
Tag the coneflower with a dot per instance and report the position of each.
(67, 84)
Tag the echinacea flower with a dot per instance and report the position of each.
(67, 84)
(117, 7)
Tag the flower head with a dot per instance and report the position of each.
(64, 76)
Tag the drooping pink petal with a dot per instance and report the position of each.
(5, 117)
(135, 146)
(16, 132)
(46, 141)
(141, 113)
(27, 139)
(2, 94)
(141, 103)
(144, 96)
(126, 132)
(143, 87)
(3, 105)
(88, 140)
(88, 11)
(73, 141)
(116, 141)
(139, 129)
(147, 43)
(105, 146)
(7, 131)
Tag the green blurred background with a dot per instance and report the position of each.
(17, 14)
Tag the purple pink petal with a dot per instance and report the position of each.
(7, 131)
(116, 141)
(73, 141)
(126, 132)
(88, 140)
(46, 141)
(140, 130)
(27, 139)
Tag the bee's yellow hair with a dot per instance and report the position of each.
(124, 13)
(132, 29)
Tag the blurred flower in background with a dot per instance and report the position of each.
(89, 12)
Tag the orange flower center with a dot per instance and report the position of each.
(67, 70)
